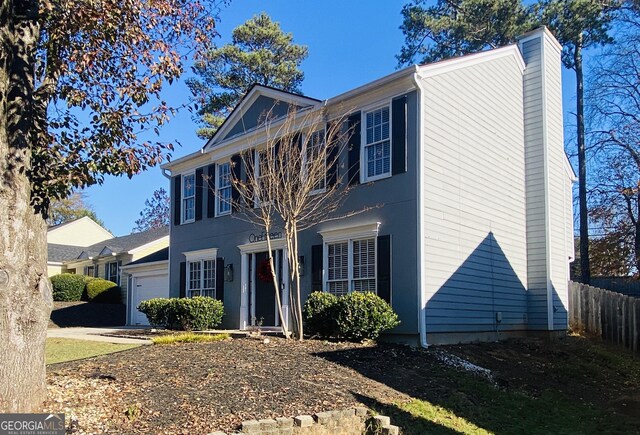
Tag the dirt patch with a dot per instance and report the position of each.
(87, 314)
(203, 387)
(592, 372)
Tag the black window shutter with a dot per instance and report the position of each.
(183, 279)
(220, 279)
(96, 272)
(199, 192)
(316, 268)
(235, 175)
(354, 148)
(177, 197)
(332, 157)
(399, 135)
(210, 185)
(384, 268)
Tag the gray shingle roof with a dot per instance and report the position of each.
(117, 245)
(127, 243)
(59, 253)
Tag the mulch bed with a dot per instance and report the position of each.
(87, 314)
(202, 387)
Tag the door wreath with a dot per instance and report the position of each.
(265, 274)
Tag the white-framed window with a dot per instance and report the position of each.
(201, 273)
(223, 189)
(112, 272)
(376, 149)
(188, 197)
(351, 266)
(350, 259)
(315, 146)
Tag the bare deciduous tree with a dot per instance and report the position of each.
(291, 179)
(614, 103)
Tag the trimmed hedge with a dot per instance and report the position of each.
(317, 314)
(188, 314)
(354, 317)
(103, 291)
(68, 287)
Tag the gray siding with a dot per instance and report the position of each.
(548, 207)
(397, 213)
(256, 114)
(474, 207)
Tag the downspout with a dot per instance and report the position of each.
(422, 319)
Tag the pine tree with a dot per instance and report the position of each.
(260, 52)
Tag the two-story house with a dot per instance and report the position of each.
(474, 236)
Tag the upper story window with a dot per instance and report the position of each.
(377, 147)
(315, 148)
(223, 189)
(188, 198)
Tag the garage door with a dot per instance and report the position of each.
(147, 287)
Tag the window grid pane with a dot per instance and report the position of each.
(194, 278)
(188, 197)
(364, 265)
(224, 188)
(338, 268)
(378, 147)
(209, 283)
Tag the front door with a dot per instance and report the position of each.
(263, 308)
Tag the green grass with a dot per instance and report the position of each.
(69, 349)
(189, 337)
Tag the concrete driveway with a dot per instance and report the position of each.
(95, 334)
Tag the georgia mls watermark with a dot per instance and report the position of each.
(31, 424)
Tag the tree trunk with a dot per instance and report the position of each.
(582, 167)
(25, 294)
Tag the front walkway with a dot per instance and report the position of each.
(96, 334)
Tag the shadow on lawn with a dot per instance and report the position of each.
(87, 314)
(447, 400)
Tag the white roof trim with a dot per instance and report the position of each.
(246, 102)
(262, 246)
(351, 232)
(201, 254)
(142, 265)
(569, 169)
(433, 69)
(374, 84)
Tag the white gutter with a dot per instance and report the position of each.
(422, 319)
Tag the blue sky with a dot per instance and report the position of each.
(350, 43)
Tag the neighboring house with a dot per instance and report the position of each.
(85, 248)
(475, 235)
(148, 278)
(69, 239)
(105, 259)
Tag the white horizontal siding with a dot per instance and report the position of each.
(474, 201)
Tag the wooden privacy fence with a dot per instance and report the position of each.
(612, 316)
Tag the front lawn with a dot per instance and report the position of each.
(67, 349)
(571, 386)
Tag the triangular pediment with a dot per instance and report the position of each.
(258, 104)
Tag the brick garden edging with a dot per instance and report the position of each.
(353, 421)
